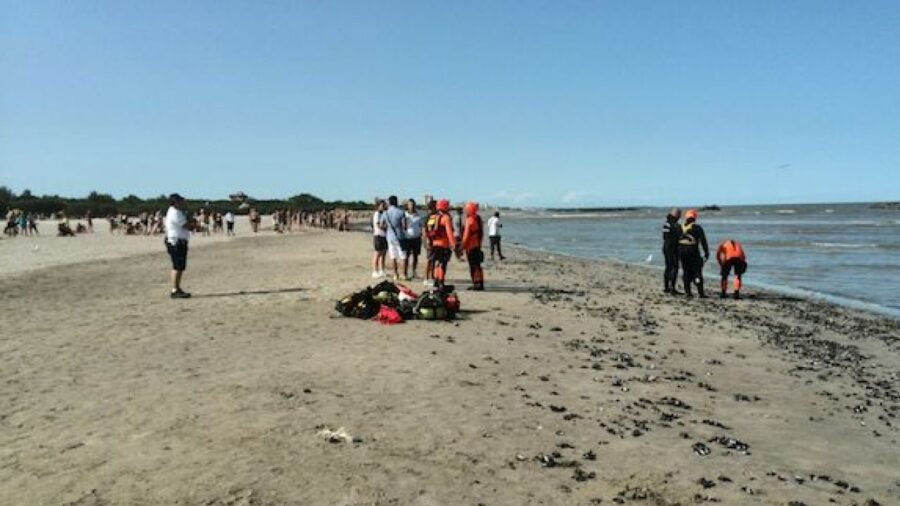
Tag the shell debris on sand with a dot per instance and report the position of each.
(336, 436)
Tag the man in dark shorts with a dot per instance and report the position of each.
(379, 240)
(177, 236)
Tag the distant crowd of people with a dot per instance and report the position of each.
(401, 234)
(286, 220)
(20, 223)
(685, 245)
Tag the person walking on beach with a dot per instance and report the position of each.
(494, 227)
(394, 225)
(413, 237)
(473, 236)
(229, 223)
(177, 236)
(32, 225)
(731, 256)
(689, 244)
(671, 233)
(254, 220)
(443, 242)
(379, 236)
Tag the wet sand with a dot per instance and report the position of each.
(568, 382)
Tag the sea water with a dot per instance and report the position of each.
(848, 253)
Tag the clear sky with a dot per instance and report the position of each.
(519, 102)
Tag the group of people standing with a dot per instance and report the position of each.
(402, 234)
(682, 244)
(20, 223)
(285, 220)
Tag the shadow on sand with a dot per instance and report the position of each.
(247, 292)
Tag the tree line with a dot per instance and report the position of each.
(103, 204)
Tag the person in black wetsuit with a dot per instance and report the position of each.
(671, 233)
(692, 239)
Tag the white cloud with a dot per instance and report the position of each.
(518, 198)
(571, 197)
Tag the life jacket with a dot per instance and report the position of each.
(731, 250)
(475, 236)
(438, 232)
(431, 225)
(687, 235)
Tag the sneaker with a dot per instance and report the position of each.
(179, 294)
(376, 275)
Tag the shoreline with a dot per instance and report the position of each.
(810, 295)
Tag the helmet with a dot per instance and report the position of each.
(691, 215)
(472, 208)
(443, 205)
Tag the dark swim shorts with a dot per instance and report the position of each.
(178, 253)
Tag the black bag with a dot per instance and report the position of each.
(385, 286)
(358, 305)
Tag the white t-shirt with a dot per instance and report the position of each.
(376, 221)
(413, 225)
(175, 222)
(493, 226)
(229, 217)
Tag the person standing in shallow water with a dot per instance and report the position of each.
(494, 227)
(731, 256)
(671, 233)
(692, 239)
(177, 236)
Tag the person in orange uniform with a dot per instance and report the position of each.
(443, 242)
(731, 256)
(473, 236)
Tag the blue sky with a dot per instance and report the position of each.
(529, 103)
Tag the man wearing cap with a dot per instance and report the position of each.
(177, 236)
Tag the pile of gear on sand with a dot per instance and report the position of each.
(391, 303)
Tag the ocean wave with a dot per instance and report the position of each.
(847, 245)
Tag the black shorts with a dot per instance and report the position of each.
(475, 257)
(740, 267)
(441, 255)
(178, 253)
(230, 225)
(380, 243)
(413, 246)
(495, 240)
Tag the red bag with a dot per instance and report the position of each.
(388, 316)
(452, 303)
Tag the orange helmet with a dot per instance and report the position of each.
(691, 215)
(472, 208)
(443, 205)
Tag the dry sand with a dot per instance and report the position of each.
(569, 382)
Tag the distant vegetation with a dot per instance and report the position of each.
(101, 204)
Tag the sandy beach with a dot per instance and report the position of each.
(567, 382)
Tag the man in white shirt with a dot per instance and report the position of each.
(229, 223)
(494, 227)
(177, 236)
